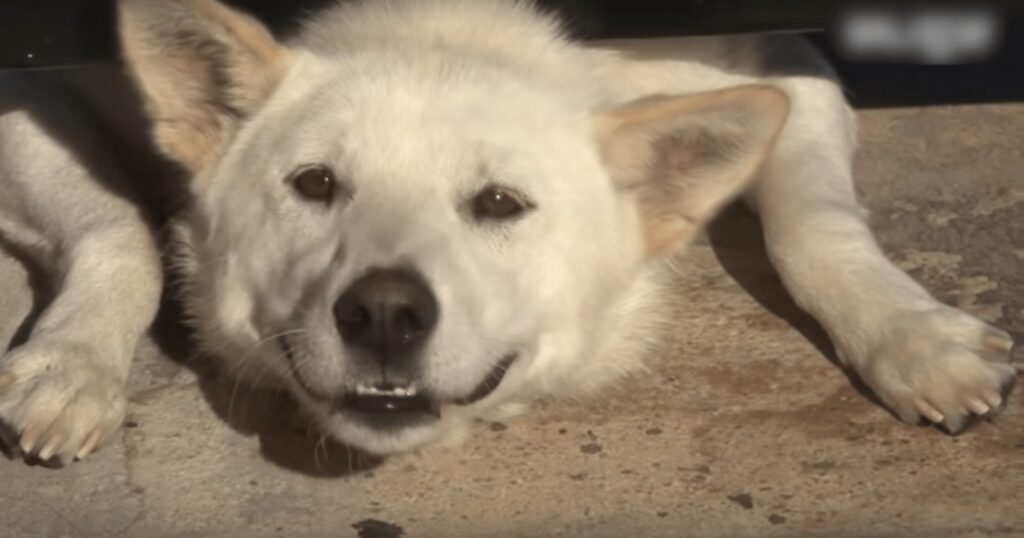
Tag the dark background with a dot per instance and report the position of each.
(52, 33)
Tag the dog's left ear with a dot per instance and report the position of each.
(202, 67)
(683, 158)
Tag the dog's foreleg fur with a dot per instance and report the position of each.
(922, 358)
(63, 390)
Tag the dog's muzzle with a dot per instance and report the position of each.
(384, 319)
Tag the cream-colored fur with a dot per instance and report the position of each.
(624, 150)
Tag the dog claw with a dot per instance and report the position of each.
(993, 399)
(978, 407)
(930, 412)
(998, 341)
(51, 448)
(30, 438)
(89, 445)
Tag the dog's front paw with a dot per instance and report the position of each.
(58, 400)
(942, 365)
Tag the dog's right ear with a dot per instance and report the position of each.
(681, 158)
(202, 67)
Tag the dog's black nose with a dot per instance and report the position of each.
(386, 312)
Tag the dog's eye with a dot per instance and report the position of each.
(316, 183)
(499, 203)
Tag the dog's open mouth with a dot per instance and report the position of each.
(391, 406)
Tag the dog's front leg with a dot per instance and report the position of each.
(63, 391)
(921, 357)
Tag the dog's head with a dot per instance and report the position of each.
(407, 231)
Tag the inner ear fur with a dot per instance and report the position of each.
(202, 67)
(682, 158)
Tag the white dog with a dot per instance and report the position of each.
(420, 212)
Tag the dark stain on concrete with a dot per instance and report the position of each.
(591, 448)
(653, 431)
(372, 528)
(743, 499)
(498, 427)
(776, 519)
(818, 466)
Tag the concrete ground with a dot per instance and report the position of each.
(744, 428)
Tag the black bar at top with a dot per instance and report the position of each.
(49, 33)
(54, 33)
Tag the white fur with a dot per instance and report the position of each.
(417, 105)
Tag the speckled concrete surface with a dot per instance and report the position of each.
(743, 428)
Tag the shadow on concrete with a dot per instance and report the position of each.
(286, 438)
(39, 286)
(737, 239)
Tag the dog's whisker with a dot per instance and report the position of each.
(245, 364)
(321, 442)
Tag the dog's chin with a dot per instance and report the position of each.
(384, 442)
